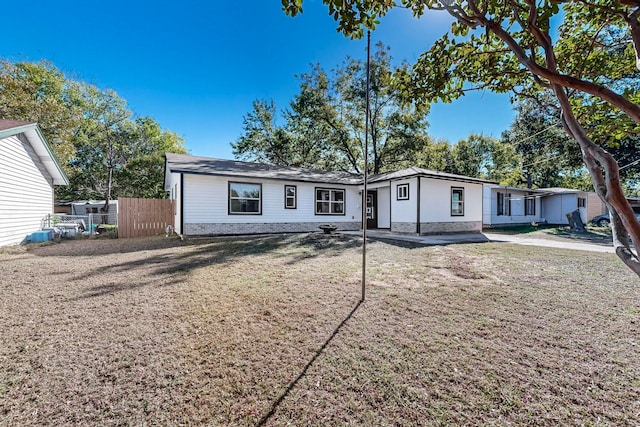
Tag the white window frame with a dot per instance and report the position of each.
(402, 192)
(459, 209)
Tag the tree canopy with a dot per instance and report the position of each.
(103, 147)
(586, 53)
(325, 123)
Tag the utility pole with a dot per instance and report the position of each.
(366, 175)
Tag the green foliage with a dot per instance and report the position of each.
(485, 157)
(325, 123)
(103, 148)
(40, 93)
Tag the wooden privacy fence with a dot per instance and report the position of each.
(144, 217)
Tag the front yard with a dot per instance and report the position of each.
(263, 331)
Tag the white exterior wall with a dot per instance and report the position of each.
(206, 201)
(404, 210)
(435, 201)
(384, 207)
(174, 194)
(404, 213)
(490, 215)
(26, 191)
(555, 208)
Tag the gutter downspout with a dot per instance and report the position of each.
(181, 205)
(418, 208)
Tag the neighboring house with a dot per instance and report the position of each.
(558, 202)
(95, 207)
(28, 172)
(215, 196)
(513, 206)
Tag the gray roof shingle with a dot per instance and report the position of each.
(184, 163)
(10, 124)
(415, 171)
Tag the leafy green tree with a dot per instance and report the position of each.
(142, 175)
(40, 93)
(263, 140)
(433, 155)
(325, 123)
(103, 148)
(548, 154)
(466, 158)
(484, 157)
(525, 47)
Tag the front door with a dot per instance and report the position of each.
(372, 207)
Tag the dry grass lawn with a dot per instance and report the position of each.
(263, 331)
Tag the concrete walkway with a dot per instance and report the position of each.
(548, 243)
(449, 239)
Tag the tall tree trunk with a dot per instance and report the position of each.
(605, 176)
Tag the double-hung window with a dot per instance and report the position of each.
(504, 204)
(329, 201)
(457, 201)
(290, 197)
(530, 205)
(245, 198)
(582, 202)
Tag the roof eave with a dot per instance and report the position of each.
(51, 163)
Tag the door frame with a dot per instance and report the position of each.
(372, 222)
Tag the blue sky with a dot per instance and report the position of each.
(196, 66)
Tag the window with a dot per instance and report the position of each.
(530, 205)
(504, 204)
(582, 202)
(290, 197)
(457, 201)
(402, 192)
(245, 198)
(329, 201)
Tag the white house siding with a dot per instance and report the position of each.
(174, 187)
(490, 217)
(384, 207)
(556, 207)
(26, 192)
(435, 207)
(404, 213)
(206, 203)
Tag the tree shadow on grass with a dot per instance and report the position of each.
(165, 266)
(274, 406)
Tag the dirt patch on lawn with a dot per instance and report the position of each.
(218, 332)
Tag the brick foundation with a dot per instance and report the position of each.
(450, 227)
(262, 228)
(403, 227)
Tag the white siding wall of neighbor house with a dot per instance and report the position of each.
(26, 192)
(206, 207)
(490, 215)
(435, 206)
(556, 207)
